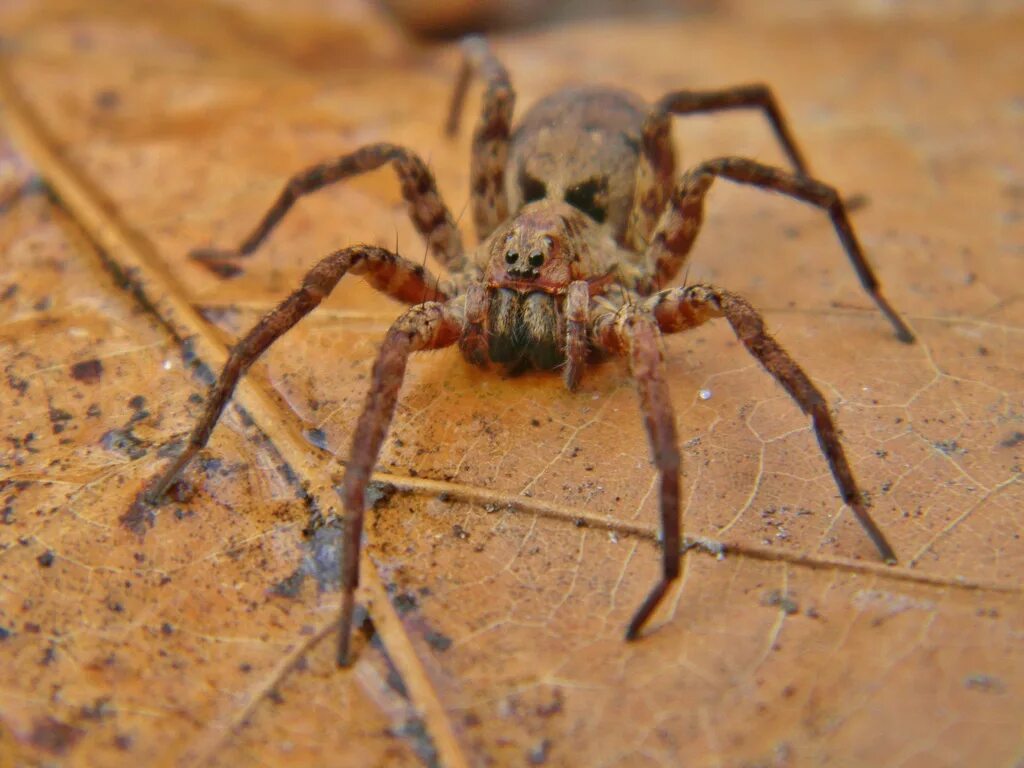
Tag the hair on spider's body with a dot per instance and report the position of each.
(581, 221)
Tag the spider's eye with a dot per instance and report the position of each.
(533, 189)
(511, 257)
(584, 197)
(536, 259)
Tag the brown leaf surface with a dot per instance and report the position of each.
(501, 577)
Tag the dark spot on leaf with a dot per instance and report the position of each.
(140, 515)
(438, 641)
(317, 437)
(539, 754)
(785, 602)
(1013, 440)
(88, 371)
(51, 735)
(123, 441)
(984, 684)
(378, 493)
(107, 98)
(405, 602)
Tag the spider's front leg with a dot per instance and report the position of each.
(491, 137)
(426, 326)
(668, 250)
(633, 333)
(385, 271)
(680, 309)
(427, 209)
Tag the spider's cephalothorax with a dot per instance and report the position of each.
(531, 261)
(582, 222)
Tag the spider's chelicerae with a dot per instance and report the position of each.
(581, 221)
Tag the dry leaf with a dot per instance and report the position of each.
(523, 533)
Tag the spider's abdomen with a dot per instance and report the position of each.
(525, 330)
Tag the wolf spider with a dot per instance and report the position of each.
(581, 220)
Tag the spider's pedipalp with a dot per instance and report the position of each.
(577, 347)
(680, 224)
(426, 326)
(427, 209)
(679, 309)
(386, 271)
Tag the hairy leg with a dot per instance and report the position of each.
(633, 333)
(429, 214)
(425, 326)
(656, 173)
(679, 309)
(385, 271)
(473, 341)
(577, 316)
(680, 224)
(491, 137)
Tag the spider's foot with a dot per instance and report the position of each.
(645, 610)
(222, 262)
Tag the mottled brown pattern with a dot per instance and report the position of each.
(491, 136)
(429, 214)
(680, 224)
(566, 276)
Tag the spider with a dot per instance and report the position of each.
(581, 221)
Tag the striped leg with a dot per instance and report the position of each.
(425, 326)
(656, 173)
(429, 214)
(491, 137)
(680, 224)
(633, 333)
(680, 309)
(385, 271)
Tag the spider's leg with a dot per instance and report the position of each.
(577, 347)
(679, 309)
(473, 341)
(385, 271)
(429, 214)
(657, 160)
(425, 326)
(491, 137)
(678, 228)
(754, 96)
(633, 332)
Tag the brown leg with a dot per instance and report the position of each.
(679, 309)
(491, 137)
(428, 211)
(738, 97)
(633, 332)
(473, 342)
(656, 173)
(680, 224)
(577, 347)
(426, 326)
(387, 272)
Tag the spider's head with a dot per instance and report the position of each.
(541, 248)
